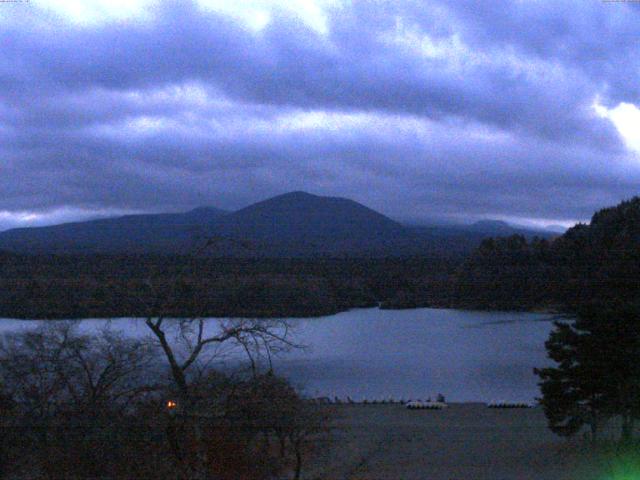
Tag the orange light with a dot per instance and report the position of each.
(171, 404)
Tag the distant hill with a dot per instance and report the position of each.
(491, 225)
(559, 229)
(500, 228)
(463, 239)
(127, 234)
(295, 224)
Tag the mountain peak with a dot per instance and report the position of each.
(295, 196)
(297, 193)
(492, 224)
(307, 222)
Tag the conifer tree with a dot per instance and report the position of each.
(597, 372)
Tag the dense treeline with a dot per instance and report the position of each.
(592, 272)
(596, 261)
(508, 274)
(115, 286)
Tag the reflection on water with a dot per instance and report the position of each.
(375, 354)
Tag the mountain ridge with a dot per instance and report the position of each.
(295, 224)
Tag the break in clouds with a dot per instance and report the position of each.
(457, 110)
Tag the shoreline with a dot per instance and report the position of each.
(296, 316)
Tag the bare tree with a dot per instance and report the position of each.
(55, 366)
(189, 342)
(184, 342)
(69, 389)
(193, 342)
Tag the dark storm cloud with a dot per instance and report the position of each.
(458, 108)
(596, 38)
(289, 64)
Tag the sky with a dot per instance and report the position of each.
(525, 111)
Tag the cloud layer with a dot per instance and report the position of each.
(422, 110)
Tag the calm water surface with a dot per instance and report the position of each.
(375, 354)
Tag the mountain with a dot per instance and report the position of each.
(295, 224)
(301, 224)
(495, 227)
(126, 234)
(303, 216)
(500, 228)
(460, 240)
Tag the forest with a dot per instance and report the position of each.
(509, 273)
(595, 262)
(73, 286)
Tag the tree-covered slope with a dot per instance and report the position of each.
(600, 260)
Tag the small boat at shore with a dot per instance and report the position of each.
(428, 405)
(510, 405)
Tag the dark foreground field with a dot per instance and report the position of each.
(463, 442)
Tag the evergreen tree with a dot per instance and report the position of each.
(597, 375)
(571, 397)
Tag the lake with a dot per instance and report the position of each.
(417, 353)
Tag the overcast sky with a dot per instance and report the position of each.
(526, 111)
